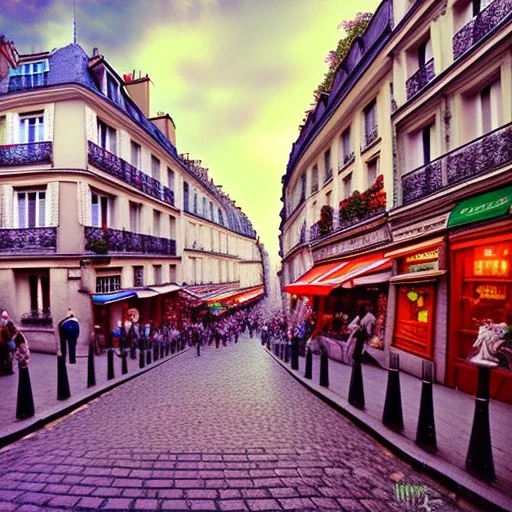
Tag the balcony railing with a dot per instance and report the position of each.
(121, 169)
(110, 240)
(37, 240)
(26, 154)
(27, 82)
(328, 175)
(370, 137)
(420, 79)
(481, 25)
(475, 158)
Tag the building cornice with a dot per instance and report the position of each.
(214, 224)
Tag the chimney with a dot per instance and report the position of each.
(138, 89)
(166, 125)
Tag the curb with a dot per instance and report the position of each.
(469, 492)
(41, 422)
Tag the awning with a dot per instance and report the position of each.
(414, 249)
(109, 298)
(346, 274)
(165, 288)
(302, 286)
(146, 293)
(483, 207)
(239, 296)
(249, 295)
(418, 277)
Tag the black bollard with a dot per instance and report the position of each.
(156, 351)
(110, 364)
(287, 353)
(25, 401)
(356, 390)
(162, 350)
(426, 431)
(281, 353)
(149, 355)
(308, 374)
(124, 362)
(324, 368)
(133, 352)
(63, 392)
(91, 375)
(295, 354)
(392, 416)
(142, 359)
(198, 348)
(479, 460)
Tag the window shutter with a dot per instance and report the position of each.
(52, 204)
(84, 203)
(48, 119)
(91, 130)
(8, 207)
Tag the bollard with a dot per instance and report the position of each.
(392, 416)
(479, 460)
(295, 354)
(149, 356)
(308, 374)
(25, 401)
(156, 351)
(142, 359)
(91, 375)
(133, 352)
(356, 390)
(426, 431)
(124, 362)
(198, 348)
(63, 392)
(287, 353)
(110, 364)
(162, 349)
(324, 368)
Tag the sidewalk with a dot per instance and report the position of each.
(43, 377)
(453, 411)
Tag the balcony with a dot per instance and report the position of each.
(27, 82)
(480, 26)
(478, 157)
(23, 240)
(121, 169)
(12, 155)
(420, 79)
(103, 241)
(370, 137)
(328, 175)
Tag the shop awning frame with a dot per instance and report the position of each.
(418, 277)
(415, 248)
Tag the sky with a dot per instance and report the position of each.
(236, 76)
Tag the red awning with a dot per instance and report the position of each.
(346, 274)
(248, 295)
(303, 285)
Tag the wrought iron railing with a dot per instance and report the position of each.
(371, 136)
(121, 169)
(420, 79)
(26, 154)
(28, 240)
(475, 158)
(481, 25)
(110, 240)
(27, 82)
(328, 175)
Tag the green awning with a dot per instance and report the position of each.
(483, 207)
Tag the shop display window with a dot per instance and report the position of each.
(486, 299)
(415, 318)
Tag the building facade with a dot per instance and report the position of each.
(412, 217)
(98, 210)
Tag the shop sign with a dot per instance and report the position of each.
(423, 261)
(369, 239)
(419, 229)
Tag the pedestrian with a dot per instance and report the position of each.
(25, 401)
(7, 345)
(69, 330)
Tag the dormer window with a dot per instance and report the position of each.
(112, 88)
(29, 75)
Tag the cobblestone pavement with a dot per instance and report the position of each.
(230, 430)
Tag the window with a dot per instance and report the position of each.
(347, 186)
(101, 210)
(425, 135)
(424, 53)
(155, 167)
(31, 127)
(172, 227)
(195, 203)
(346, 147)
(135, 213)
(327, 165)
(172, 274)
(485, 102)
(370, 122)
(314, 179)
(156, 222)
(107, 137)
(302, 187)
(157, 274)
(39, 285)
(193, 270)
(480, 5)
(32, 74)
(221, 217)
(31, 208)
(138, 276)
(211, 210)
(112, 88)
(136, 154)
(205, 207)
(372, 171)
(185, 196)
(105, 284)
(170, 178)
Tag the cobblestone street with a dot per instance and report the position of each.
(231, 430)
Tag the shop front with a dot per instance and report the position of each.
(481, 292)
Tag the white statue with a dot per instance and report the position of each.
(489, 340)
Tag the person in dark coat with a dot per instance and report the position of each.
(69, 330)
(7, 332)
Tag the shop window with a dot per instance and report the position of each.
(105, 284)
(138, 276)
(415, 319)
